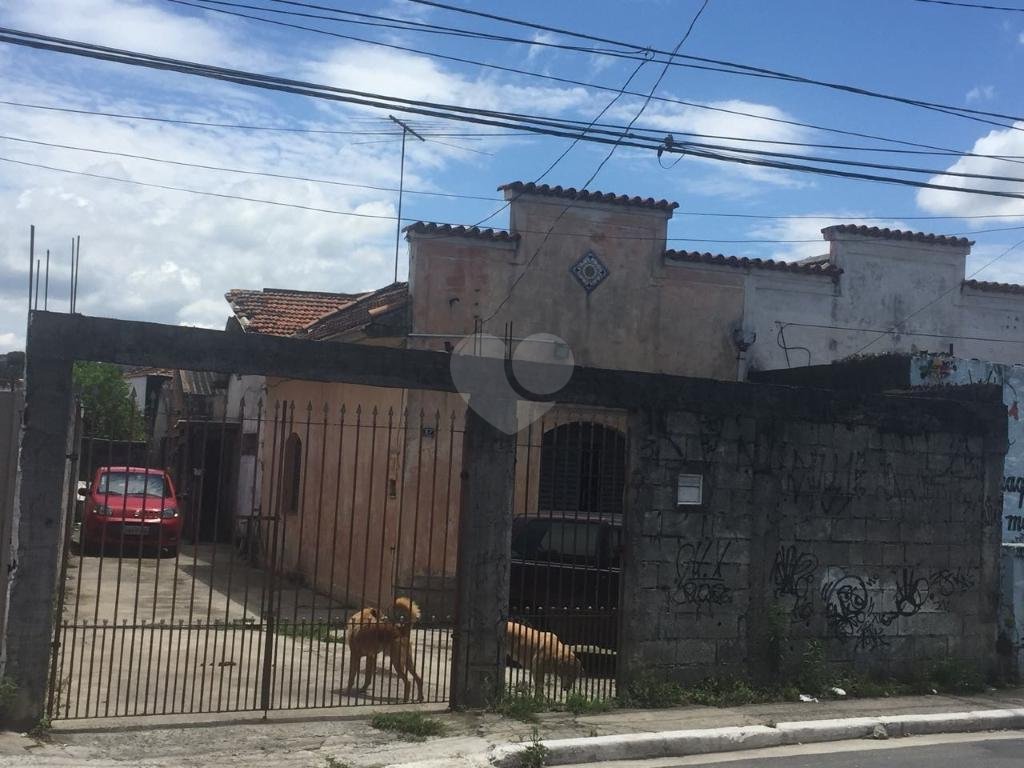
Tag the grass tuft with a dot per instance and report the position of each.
(414, 726)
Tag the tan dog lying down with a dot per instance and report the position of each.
(367, 633)
(542, 653)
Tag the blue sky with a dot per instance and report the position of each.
(170, 256)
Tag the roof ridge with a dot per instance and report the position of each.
(586, 195)
(440, 228)
(825, 269)
(895, 234)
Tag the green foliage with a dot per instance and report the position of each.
(536, 754)
(320, 630)
(333, 762)
(8, 690)
(108, 401)
(726, 692)
(652, 692)
(521, 706)
(414, 726)
(578, 704)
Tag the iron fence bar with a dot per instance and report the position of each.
(333, 658)
(215, 540)
(317, 627)
(351, 535)
(269, 646)
(56, 654)
(369, 520)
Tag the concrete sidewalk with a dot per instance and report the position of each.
(311, 739)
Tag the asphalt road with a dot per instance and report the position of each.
(986, 750)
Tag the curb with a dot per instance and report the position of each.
(644, 746)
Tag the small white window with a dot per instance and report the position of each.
(689, 490)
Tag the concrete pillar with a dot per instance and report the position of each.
(36, 536)
(485, 536)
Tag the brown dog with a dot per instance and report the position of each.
(367, 633)
(542, 653)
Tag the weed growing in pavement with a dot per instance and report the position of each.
(536, 755)
(414, 726)
(333, 762)
(578, 704)
(521, 706)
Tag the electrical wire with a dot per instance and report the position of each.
(570, 81)
(942, 295)
(858, 329)
(742, 68)
(601, 165)
(541, 125)
(489, 198)
(975, 6)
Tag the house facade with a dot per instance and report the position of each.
(592, 269)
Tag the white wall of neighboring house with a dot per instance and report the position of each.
(938, 370)
(246, 400)
(917, 287)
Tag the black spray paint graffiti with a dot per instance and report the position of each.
(914, 591)
(793, 576)
(852, 612)
(1015, 485)
(699, 580)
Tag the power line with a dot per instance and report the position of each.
(942, 295)
(554, 78)
(744, 69)
(885, 332)
(314, 209)
(490, 198)
(239, 126)
(975, 6)
(434, 134)
(540, 125)
(529, 263)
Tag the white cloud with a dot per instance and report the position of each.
(1020, 38)
(536, 50)
(409, 76)
(981, 93)
(133, 24)
(10, 341)
(727, 179)
(809, 229)
(997, 143)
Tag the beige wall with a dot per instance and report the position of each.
(645, 316)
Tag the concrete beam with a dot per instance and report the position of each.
(37, 536)
(126, 342)
(485, 536)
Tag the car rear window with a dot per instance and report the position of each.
(132, 484)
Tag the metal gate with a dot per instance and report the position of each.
(252, 560)
(566, 555)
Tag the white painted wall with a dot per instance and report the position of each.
(246, 399)
(886, 282)
(940, 370)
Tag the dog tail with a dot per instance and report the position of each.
(407, 610)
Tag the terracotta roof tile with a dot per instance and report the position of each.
(815, 267)
(982, 285)
(450, 230)
(895, 234)
(282, 312)
(372, 306)
(596, 196)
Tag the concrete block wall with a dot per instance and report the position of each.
(865, 526)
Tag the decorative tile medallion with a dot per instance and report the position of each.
(589, 271)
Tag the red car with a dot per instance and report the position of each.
(128, 508)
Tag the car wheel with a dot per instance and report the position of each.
(171, 551)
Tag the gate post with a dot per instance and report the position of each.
(485, 538)
(36, 536)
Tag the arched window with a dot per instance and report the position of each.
(292, 474)
(582, 469)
